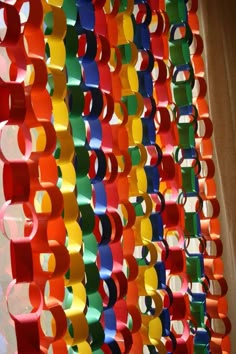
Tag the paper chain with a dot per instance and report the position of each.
(119, 246)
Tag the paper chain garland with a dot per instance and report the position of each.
(120, 244)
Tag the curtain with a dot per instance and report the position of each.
(116, 230)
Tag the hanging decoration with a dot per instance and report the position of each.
(110, 205)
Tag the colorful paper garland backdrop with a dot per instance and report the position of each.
(109, 219)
